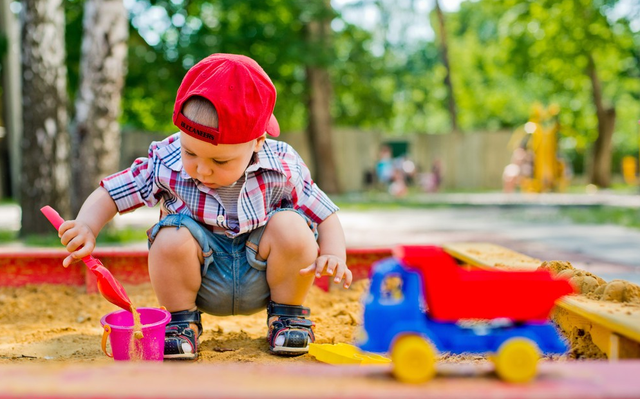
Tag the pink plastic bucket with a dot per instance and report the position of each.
(118, 329)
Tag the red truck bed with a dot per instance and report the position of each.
(453, 293)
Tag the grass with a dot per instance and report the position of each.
(626, 217)
(8, 235)
(376, 200)
(107, 237)
(594, 214)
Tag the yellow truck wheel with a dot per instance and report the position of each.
(517, 360)
(414, 359)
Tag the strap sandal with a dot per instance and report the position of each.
(180, 341)
(290, 334)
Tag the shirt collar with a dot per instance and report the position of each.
(266, 158)
(168, 152)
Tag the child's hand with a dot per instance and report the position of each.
(330, 265)
(79, 240)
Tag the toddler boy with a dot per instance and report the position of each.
(242, 224)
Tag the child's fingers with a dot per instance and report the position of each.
(340, 269)
(348, 278)
(66, 236)
(74, 243)
(70, 235)
(330, 267)
(320, 266)
(343, 272)
(308, 270)
(76, 256)
(68, 260)
(84, 251)
(64, 227)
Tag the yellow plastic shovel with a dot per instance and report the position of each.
(345, 354)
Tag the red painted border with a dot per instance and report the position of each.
(129, 266)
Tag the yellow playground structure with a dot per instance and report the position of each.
(629, 170)
(630, 166)
(535, 164)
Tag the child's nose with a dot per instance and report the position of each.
(203, 169)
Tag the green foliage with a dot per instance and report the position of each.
(269, 31)
(107, 237)
(73, 44)
(4, 46)
(46, 240)
(122, 236)
(273, 32)
(504, 55)
(8, 235)
(553, 40)
(364, 90)
(627, 217)
(3, 50)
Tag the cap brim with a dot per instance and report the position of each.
(273, 128)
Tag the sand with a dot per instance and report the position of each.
(54, 323)
(61, 324)
(593, 287)
(57, 323)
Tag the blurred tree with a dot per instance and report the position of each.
(46, 139)
(502, 60)
(185, 32)
(491, 93)
(364, 84)
(73, 13)
(391, 80)
(319, 94)
(10, 102)
(5, 168)
(274, 33)
(3, 46)
(95, 135)
(444, 53)
(575, 44)
(168, 37)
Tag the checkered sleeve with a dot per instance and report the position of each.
(134, 186)
(307, 196)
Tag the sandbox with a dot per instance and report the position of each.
(50, 347)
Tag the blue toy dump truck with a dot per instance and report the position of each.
(421, 302)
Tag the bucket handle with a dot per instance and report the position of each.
(105, 335)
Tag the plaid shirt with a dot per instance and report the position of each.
(277, 178)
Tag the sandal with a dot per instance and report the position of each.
(290, 334)
(180, 341)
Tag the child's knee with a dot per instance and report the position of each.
(291, 234)
(175, 243)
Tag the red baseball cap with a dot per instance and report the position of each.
(242, 94)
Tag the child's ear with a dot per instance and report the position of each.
(259, 143)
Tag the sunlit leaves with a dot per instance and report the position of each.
(505, 55)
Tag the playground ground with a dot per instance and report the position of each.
(526, 223)
(527, 226)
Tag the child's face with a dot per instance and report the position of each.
(216, 166)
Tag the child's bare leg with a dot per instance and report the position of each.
(288, 245)
(174, 268)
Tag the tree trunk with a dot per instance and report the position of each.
(11, 103)
(444, 53)
(45, 143)
(319, 106)
(601, 167)
(95, 135)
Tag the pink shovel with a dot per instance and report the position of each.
(108, 286)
